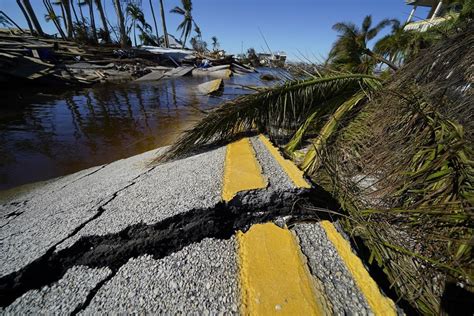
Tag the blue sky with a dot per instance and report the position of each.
(292, 26)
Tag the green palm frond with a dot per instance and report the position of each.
(311, 159)
(285, 107)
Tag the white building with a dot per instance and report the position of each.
(439, 12)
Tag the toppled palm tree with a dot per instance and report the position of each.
(186, 25)
(351, 53)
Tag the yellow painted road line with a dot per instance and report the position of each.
(380, 304)
(242, 171)
(295, 174)
(274, 277)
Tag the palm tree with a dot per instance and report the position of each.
(215, 43)
(400, 45)
(30, 16)
(350, 52)
(136, 14)
(154, 21)
(92, 19)
(52, 16)
(163, 22)
(123, 33)
(186, 25)
(67, 17)
(106, 33)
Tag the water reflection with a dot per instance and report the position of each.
(51, 135)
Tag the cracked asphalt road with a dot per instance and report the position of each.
(131, 237)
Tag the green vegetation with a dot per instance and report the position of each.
(188, 21)
(82, 27)
(394, 149)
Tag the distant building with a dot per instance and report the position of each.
(276, 59)
(439, 12)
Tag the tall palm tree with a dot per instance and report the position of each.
(52, 16)
(163, 22)
(154, 21)
(76, 19)
(67, 17)
(186, 25)
(90, 4)
(121, 21)
(351, 53)
(106, 33)
(137, 16)
(401, 45)
(30, 17)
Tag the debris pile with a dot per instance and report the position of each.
(25, 59)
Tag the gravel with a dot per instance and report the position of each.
(277, 177)
(51, 213)
(165, 191)
(62, 297)
(200, 279)
(326, 265)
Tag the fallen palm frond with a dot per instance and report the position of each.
(405, 175)
(275, 111)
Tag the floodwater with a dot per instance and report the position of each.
(45, 135)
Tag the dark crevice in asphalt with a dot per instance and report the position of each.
(82, 177)
(14, 214)
(159, 240)
(100, 209)
(92, 293)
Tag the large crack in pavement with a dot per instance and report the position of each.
(158, 240)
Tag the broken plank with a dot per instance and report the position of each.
(152, 76)
(211, 87)
(179, 72)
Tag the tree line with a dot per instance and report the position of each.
(75, 20)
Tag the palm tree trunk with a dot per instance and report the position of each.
(31, 16)
(82, 15)
(92, 21)
(68, 17)
(74, 11)
(381, 59)
(154, 21)
(103, 20)
(27, 18)
(184, 42)
(123, 35)
(134, 33)
(163, 21)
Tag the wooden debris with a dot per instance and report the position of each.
(211, 87)
(152, 76)
(179, 72)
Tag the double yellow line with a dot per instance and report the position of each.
(274, 275)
